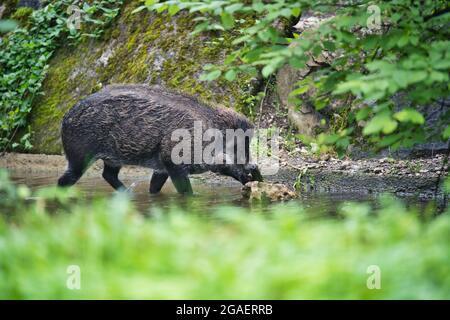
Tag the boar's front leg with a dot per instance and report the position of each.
(179, 177)
(111, 175)
(157, 181)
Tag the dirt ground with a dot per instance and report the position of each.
(55, 163)
(421, 167)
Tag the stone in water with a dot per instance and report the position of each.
(269, 191)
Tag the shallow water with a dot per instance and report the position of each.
(209, 194)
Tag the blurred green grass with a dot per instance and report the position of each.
(283, 254)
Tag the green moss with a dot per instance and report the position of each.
(62, 89)
(138, 48)
(339, 118)
(115, 33)
(21, 16)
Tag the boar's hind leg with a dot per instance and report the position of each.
(179, 178)
(111, 175)
(157, 181)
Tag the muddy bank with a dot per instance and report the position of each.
(402, 177)
(56, 165)
(36, 163)
(416, 177)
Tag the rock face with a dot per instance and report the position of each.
(305, 118)
(139, 47)
(35, 4)
(7, 7)
(267, 191)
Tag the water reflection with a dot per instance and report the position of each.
(208, 194)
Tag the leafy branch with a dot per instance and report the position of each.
(25, 54)
(406, 56)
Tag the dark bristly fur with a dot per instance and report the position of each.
(132, 125)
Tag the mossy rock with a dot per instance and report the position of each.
(264, 191)
(9, 6)
(138, 48)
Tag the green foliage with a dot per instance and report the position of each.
(24, 56)
(7, 25)
(447, 185)
(284, 253)
(94, 17)
(406, 55)
(10, 195)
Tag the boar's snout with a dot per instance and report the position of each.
(242, 173)
(254, 172)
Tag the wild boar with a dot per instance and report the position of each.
(134, 125)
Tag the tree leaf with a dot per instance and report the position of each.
(409, 115)
(227, 20)
(230, 75)
(446, 133)
(213, 75)
(296, 12)
(268, 70)
(299, 91)
(362, 114)
(233, 8)
(173, 10)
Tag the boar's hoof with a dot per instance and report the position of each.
(256, 190)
